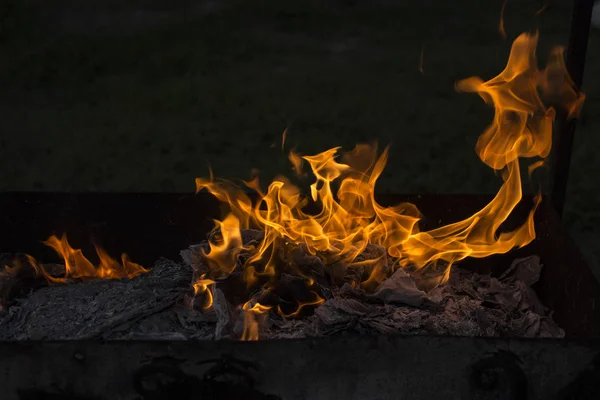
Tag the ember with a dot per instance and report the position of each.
(271, 269)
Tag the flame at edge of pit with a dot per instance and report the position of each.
(77, 266)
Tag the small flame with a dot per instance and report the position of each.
(253, 316)
(297, 162)
(318, 300)
(535, 166)
(225, 249)
(202, 286)
(77, 266)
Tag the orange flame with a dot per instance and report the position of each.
(202, 286)
(283, 136)
(344, 188)
(252, 319)
(224, 252)
(77, 266)
(318, 300)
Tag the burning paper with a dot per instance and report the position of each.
(349, 219)
(272, 268)
(153, 307)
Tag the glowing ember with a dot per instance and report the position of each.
(350, 218)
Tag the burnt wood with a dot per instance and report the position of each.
(104, 309)
(150, 226)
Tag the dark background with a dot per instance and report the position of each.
(143, 95)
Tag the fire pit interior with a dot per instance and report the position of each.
(319, 254)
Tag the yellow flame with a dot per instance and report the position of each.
(77, 266)
(318, 300)
(225, 249)
(252, 320)
(535, 166)
(283, 136)
(202, 286)
(349, 217)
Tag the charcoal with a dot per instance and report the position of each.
(302, 258)
(332, 319)
(350, 307)
(224, 314)
(549, 328)
(291, 291)
(283, 328)
(372, 252)
(428, 278)
(323, 287)
(435, 295)
(399, 289)
(252, 236)
(528, 325)
(95, 308)
(161, 305)
(468, 284)
(193, 319)
(18, 277)
(192, 256)
(509, 299)
(170, 336)
(165, 325)
(234, 288)
(338, 273)
(409, 320)
(373, 326)
(526, 270)
(452, 326)
(467, 305)
(530, 300)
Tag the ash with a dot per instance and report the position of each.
(468, 304)
(161, 305)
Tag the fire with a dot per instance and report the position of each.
(252, 318)
(202, 286)
(318, 300)
(349, 217)
(77, 266)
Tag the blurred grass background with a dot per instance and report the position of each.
(143, 95)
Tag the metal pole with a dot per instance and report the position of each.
(575, 62)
